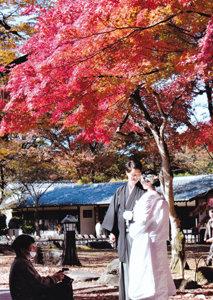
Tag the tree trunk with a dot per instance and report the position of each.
(209, 98)
(178, 245)
(36, 218)
(166, 178)
(2, 183)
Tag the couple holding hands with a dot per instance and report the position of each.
(138, 218)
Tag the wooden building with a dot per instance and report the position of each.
(89, 203)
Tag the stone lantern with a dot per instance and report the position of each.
(69, 256)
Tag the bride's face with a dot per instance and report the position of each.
(146, 184)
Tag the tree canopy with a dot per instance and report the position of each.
(87, 59)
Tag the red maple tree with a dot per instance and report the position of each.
(115, 66)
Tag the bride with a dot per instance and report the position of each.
(149, 273)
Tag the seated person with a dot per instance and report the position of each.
(26, 283)
(208, 237)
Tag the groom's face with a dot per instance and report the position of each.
(133, 176)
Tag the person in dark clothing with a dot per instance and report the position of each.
(26, 283)
(124, 200)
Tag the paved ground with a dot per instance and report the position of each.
(5, 294)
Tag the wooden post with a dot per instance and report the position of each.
(69, 256)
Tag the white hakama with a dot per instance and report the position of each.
(149, 273)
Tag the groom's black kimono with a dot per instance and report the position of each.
(115, 223)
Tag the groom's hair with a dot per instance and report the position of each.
(133, 164)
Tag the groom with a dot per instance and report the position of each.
(124, 199)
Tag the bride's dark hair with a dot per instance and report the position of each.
(152, 176)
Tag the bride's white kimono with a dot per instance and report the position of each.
(149, 273)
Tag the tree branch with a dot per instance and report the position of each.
(13, 63)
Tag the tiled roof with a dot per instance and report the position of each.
(188, 187)
(99, 193)
(185, 189)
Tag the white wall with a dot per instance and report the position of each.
(87, 225)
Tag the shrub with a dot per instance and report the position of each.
(15, 222)
(28, 227)
(2, 221)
